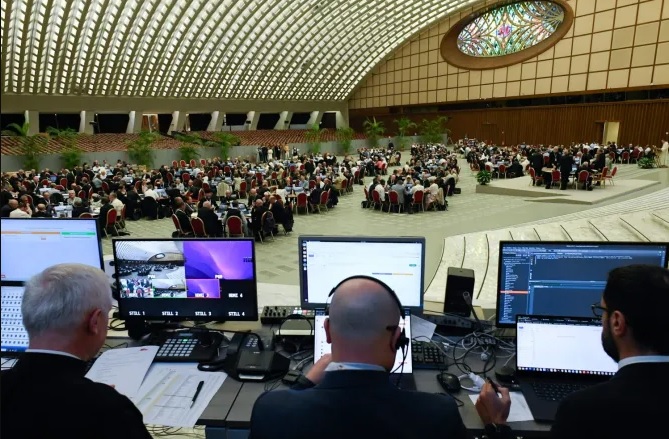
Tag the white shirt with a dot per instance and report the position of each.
(118, 205)
(643, 359)
(151, 193)
(382, 192)
(416, 188)
(18, 213)
(49, 351)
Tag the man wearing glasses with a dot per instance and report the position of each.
(635, 333)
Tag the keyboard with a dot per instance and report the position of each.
(427, 356)
(185, 346)
(555, 391)
(275, 315)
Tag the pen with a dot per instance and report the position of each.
(197, 392)
(492, 383)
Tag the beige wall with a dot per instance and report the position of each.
(613, 44)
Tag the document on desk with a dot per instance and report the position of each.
(123, 368)
(166, 396)
(520, 411)
(421, 328)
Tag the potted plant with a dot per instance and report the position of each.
(71, 155)
(224, 141)
(373, 130)
(313, 138)
(433, 130)
(404, 124)
(345, 138)
(484, 177)
(140, 151)
(31, 147)
(646, 163)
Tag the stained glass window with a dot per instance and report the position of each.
(510, 28)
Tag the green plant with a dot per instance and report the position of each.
(14, 129)
(224, 142)
(140, 151)
(313, 138)
(433, 130)
(646, 163)
(70, 154)
(30, 147)
(484, 177)
(188, 152)
(345, 138)
(373, 130)
(404, 124)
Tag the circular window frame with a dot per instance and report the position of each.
(451, 53)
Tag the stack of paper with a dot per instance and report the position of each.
(124, 369)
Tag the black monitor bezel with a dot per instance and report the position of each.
(247, 318)
(35, 220)
(573, 243)
(358, 239)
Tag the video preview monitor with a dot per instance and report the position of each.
(27, 247)
(562, 278)
(327, 260)
(186, 279)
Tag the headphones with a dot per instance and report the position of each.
(403, 341)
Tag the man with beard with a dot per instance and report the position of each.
(636, 335)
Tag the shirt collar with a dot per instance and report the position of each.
(49, 351)
(353, 366)
(643, 359)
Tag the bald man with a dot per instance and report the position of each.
(349, 394)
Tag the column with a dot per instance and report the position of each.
(253, 117)
(315, 118)
(284, 120)
(32, 117)
(178, 121)
(341, 119)
(216, 121)
(134, 122)
(86, 122)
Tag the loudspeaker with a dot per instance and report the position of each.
(459, 280)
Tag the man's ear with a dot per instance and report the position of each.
(395, 338)
(326, 324)
(618, 323)
(93, 321)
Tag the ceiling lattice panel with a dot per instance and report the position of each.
(221, 49)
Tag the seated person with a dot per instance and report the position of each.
(208, 196)
(256, 217)
(182, 216)
(515, 170)
(41, 212)
(65, 311)
(212, 224)
(348, 394)
(635, 335)
(234, 211)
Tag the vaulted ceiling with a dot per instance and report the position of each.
(207, 49)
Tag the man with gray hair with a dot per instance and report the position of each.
(65, 312)
(349, 393)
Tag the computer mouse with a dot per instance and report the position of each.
(449, 382)
(506, 375)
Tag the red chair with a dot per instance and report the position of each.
(376, 199)
(203, 162)
(120, 219)
(394, 201)
(182, 163)
(613, 174)
(63, 182)
(323, 201)
(138, 186)
(86, 215)
(556, 176)
(226, 170)
(302, 202)
(418, 197)
(82, 195)
(60, 187)
(583, 178)
(185, 176)
(262, 226)
(625, 157)
(44, 182)
(177, 225)
(198, 228)
(242, 189)
(105, 187)
(501, 171)
(259, 178)
(546, 159)
(612, 156)
(253, 183)
(206, 187)
(344, 187)
(350, 184)
(110, 222)
(601, 178)
(534, 178)
(312, 184)
(170, 177)
(175, 164)
(193, 163)
(233, 227)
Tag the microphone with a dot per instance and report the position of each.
(466, 295)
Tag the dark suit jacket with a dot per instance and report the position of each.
(47, 396)
(184, 220)
(211, 222)
(352, 403)
(631, 405)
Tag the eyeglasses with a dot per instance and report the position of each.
(597, 309)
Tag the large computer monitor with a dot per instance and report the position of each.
(186, 279)
(562, 278)
(30, 245)
(327, 260)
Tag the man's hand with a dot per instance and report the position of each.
(317, 371)
(493, 409)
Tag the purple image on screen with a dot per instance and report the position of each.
(228, 259)
(203, 288)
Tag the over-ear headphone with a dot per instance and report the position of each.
(403, 340)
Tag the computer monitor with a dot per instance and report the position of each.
(562, 278)
(327, 260)
(186, 279)
(29, 245)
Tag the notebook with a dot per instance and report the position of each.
(556, 356)
(402, 372)
(14, 335)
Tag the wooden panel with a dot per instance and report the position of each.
(641, 122)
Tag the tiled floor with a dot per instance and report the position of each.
(468, 212)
